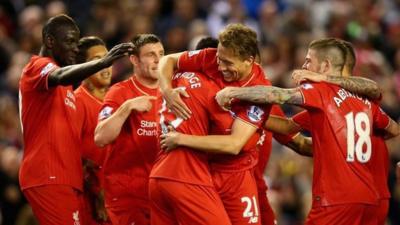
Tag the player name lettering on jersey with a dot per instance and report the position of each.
(144, 128)
(191, 77)
(342, 95)
(70, 100)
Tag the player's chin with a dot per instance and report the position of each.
(154, 75)
(71, 61)
(229, 79)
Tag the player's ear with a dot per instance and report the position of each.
(134, 59)
(249, 61)
(49, 41)
(325, 66)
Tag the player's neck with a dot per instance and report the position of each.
(147, 82)
(247, 73)
(99, 93)
(44, 52)
(334, 73)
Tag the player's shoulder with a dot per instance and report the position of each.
(259, 75)
(39, 64)
(321, 86)
(120, 86)
(78, 92)
(193, 80)
(207, 52)
(117, 91)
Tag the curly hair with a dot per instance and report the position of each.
(240, 39)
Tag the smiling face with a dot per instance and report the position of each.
(231, 66)
(101, 79)
(146, 63)
(64, 45)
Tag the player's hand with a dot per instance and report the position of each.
(142, 103)
(175, 103)
(224, 98)
(118, 51)
(169, 141)
(300, 76)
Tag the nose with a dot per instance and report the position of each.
(221, 67)
(304, 67)
(75, 49)
(157, 58)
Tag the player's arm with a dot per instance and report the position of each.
(107, 130)
(281, 125)
(72, 74)
(166, 67)
(358, 85)
(260, 94)
(301, 145)
(284, 126)
(228, 144)
(392, 130)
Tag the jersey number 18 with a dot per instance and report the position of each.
(360, 125)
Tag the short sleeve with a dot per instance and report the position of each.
(112, 101)
(253, 114)
(303, 120)
(36, 75)
(381, 119)
(312, 95)
(198, 61)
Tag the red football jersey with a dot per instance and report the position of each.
(303, 120)
(341, 125)
(191, 166)
(88, 110)
(205, 61)
(50, 132)
(132, 154)
(266, 141)
(379, 163)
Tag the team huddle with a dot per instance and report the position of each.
(186, 138)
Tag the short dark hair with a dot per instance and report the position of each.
(142, 39)
(84, 44)
(55, 23)
(207, 42)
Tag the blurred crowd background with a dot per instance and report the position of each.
(285, 27)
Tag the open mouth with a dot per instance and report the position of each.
(105, 75)
(226, 74)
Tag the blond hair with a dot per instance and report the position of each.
(240, 39)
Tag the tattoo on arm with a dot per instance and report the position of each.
(358, 85)
(268, 94)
